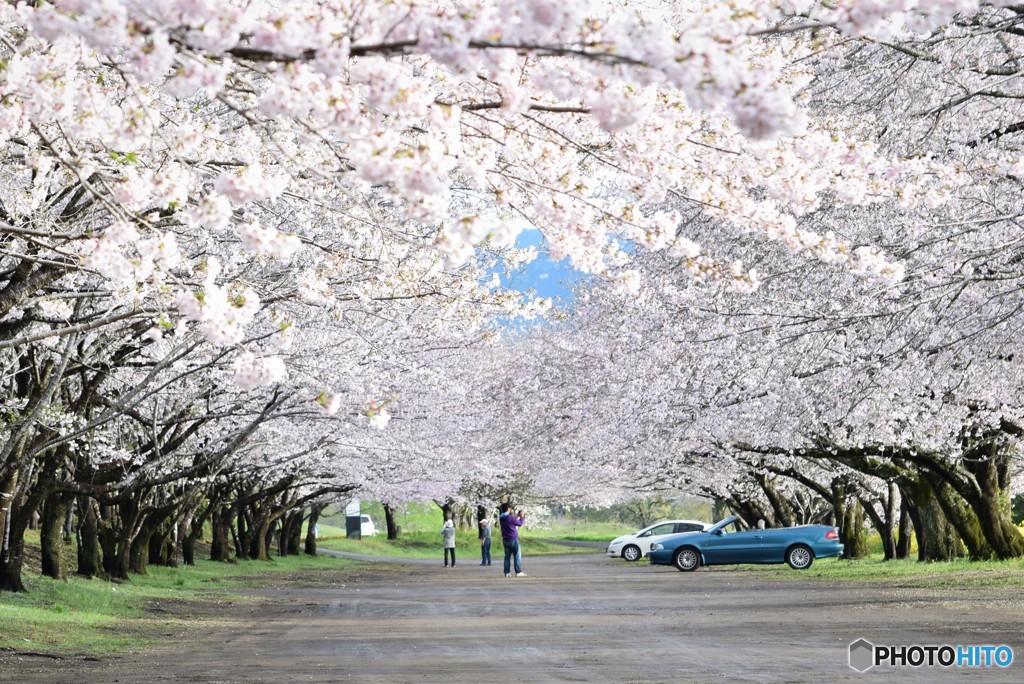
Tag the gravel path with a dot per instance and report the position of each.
(575, 618)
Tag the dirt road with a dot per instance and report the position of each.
(579, 618)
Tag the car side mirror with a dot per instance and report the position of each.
(718, 533)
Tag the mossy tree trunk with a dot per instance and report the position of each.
(51, 536)
(937, 539)
(88, 538)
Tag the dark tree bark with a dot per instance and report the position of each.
(161, 546)
(960, 516)
(855, 535)
(221, 525)
(990, 466)
(138, 549)
(12, 555)
(314, 520)
(291, 532)
(849, 520)
(195, 533)
(937, 539)
(749, 511)
(107, 539)
(88, 538)
(244, 545)
(783, 512)
(389, 521)
(51, 537)
(906, 530)
(481, 514)
(446, 509)
(885, 522)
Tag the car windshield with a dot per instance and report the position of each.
(729, 526)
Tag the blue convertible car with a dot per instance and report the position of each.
(726, 544)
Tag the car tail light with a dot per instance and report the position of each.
(832, 534)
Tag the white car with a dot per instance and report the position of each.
(635, 546)
(366, 526)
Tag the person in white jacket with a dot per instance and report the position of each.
(448, 534)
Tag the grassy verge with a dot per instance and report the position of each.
(98, 617)
(420, 536)
(896, 573)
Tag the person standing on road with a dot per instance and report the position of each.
(485, 541)
(448, 534)
(510, 538)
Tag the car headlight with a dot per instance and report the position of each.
(656, 546)
(616, 542)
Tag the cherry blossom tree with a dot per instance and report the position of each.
(248, 254)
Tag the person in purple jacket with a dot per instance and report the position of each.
(510, 538)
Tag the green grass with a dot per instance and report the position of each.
(96, 616)
(876, 571)
(580, 530)
(428, 544)
(420, 535)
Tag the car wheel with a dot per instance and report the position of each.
(799, 557)
(631, 553)
(687, 559)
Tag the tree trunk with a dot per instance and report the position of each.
(992, 474)
(446, 509)
(783, 512)
(884, 525)
(481, 514)
(849, 520)
(314, 520)
(748, 510)
(905, 531)
(997, 525)
(937, 539)
(188, 549)
(195, 533)
(855, 541)
(88, 538)
(120, 560)
(294, 532)
(243, 542)
(12, 555)
(108, 540)
(220, 521)
(961, 515)
(891, 520)
(7, 486)
(161, 546)
(138, 549)
(51, 537)
(268, 537)
(389, 521)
